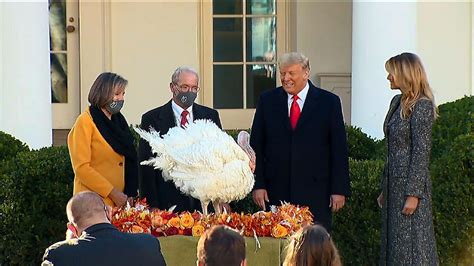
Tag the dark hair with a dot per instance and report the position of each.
(221, 245)
(103, 89)
(312, 245)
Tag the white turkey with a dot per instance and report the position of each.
(204, 162)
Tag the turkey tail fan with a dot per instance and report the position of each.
(154, 140)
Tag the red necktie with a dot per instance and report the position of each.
(184, 118)
(294, 112)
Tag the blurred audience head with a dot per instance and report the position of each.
(221, 245)
(310, 246)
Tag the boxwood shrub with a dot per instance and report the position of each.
(35, 188)
(453, 202)
(455, 118)
(10, 146)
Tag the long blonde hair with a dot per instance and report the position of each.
(410, 76)
(312, 246)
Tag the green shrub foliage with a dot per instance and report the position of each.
(356, 227)
(363, 147)
(453, 202)
(35, 190)
(455, 118)
(136, 137)
(10, 146)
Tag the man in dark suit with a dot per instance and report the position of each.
(97, 242)
(179, 111)
(300, 142)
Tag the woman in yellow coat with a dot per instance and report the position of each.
(101, 146)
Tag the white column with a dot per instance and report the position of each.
(380, 30)
(25, 88)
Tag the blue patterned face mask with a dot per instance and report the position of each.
(114, 107)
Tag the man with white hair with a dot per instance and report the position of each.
(300, 143)
(97, 242)
(179, 111)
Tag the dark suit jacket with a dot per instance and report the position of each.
(102, 244)
(158, 193)
(306, 165)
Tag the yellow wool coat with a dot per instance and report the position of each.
(97, 167)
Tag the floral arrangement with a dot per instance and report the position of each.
(279, 222)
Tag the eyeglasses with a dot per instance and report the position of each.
(185, 87)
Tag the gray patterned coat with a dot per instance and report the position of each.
(408, 240)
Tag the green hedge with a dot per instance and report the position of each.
(363, 147)
(453, 201)
(356, 228)
(35, 189)
(10, 146)
(455, 119)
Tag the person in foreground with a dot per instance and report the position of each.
(312, 246)
(300, 143)
(407, 233)
(180, 110)
(221, 245)
(100, 144)
(97, 242)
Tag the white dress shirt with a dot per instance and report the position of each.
(301, 98)
(177, 110)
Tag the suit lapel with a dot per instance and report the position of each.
(199, 112)
(391, 110)
(282, 108)
(309, 105)
(166, 119)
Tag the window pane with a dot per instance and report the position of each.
(266, 7)
(221, 7)
(228, 87)
(57, 25)
(259, 79)
(228, 35)
(58, 78)
(261, 39)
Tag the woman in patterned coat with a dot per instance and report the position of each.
(407, 220)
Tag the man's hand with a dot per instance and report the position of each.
(380, 200)
(410, 205)
(260, 196)
(337, 202)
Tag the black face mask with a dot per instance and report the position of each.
(114, 107)
(186, 99)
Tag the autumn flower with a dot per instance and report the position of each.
(187, 220)
(170, 231)
(174, 222)
(279, 222)
(198, 230)
(279, 231)
(137, 229)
